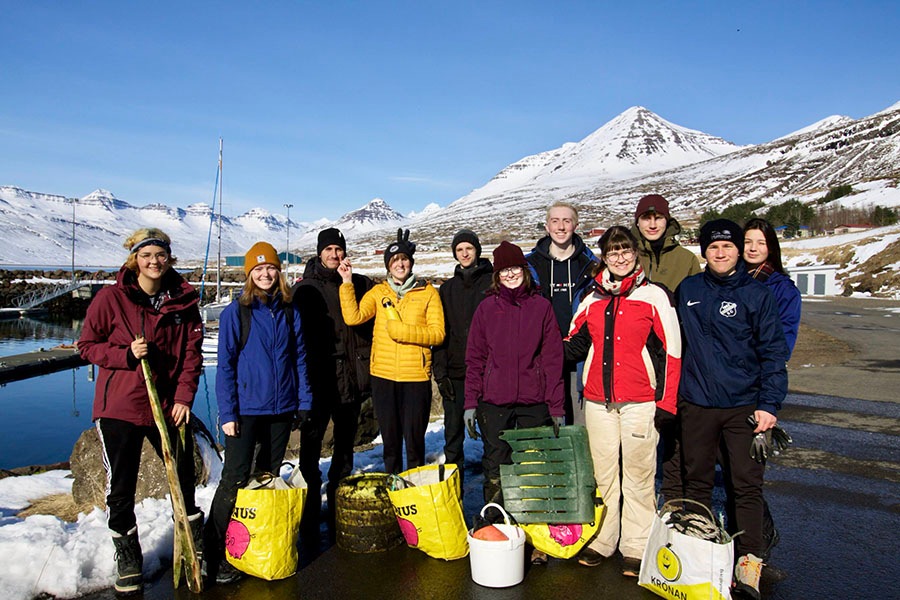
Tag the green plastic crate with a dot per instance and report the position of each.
(551, 479)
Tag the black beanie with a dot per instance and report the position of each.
(721, 230)
(330, 237)
(401, 246)
(466, 235)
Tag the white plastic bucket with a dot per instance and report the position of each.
(498, 564)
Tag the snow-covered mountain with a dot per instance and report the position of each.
(604, 175)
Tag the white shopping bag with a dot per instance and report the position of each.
(683, 567)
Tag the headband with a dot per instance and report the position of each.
(151, 242)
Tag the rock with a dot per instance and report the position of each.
(89, 474)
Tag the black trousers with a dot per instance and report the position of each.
(454, 427)
(493, 419)
(271, 432)
(703, 429)
(122, 443)
(345, 417)
(669, 451)
(402, 409)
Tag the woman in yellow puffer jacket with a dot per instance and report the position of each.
(409, 320)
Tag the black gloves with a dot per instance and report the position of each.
(469, 420)
(775, 440)
(663, 419)
(303, 417)
(557, 423)
(445, 388)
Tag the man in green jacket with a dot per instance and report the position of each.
(664, 260)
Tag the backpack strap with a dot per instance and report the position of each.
(246, 320)
(245, 325)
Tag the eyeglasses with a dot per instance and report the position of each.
(154, 256)
(510, 272)
(614, 257)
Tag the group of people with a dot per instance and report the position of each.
(637, 344)
(669, 367)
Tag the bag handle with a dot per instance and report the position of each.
(505, 514)
(670, 506)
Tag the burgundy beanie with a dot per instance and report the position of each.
(508, 255)
(653, 202)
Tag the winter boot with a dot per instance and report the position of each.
(129, 562)
(746, 576)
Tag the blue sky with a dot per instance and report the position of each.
(327, 105)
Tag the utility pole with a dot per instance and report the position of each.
(288, 246)
(73, 240)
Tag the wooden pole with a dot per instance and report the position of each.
(185, 553)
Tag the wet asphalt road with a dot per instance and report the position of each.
(835, 497)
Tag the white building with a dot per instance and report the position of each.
(817, 280)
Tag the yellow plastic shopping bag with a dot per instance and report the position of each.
(428, 504)
(564, 540)
(261, 539)
(685, 567)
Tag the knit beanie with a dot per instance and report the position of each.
(721, 230)
(652, 202)
(401, 246)
(508, 255)
(466, 235)
(330, 237)
(261, 253)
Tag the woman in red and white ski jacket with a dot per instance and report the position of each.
(626, 330)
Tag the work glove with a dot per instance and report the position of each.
(469, 419)
(663, 419)
(780, 440)
(390, 310)
(761, 446)
(303, 417)
(445, 388)
(557, 423)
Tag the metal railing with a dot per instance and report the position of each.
(39, 296)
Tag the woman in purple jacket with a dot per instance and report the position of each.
(514, 360)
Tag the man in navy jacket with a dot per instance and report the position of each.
(733, 367)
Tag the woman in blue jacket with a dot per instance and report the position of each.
(261, 385)
(762, 253)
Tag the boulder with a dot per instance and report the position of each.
(89, 474)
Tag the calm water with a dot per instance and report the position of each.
(42, 417)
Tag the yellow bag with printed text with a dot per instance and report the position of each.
(564, 540)
(261, 539)
(428, 504)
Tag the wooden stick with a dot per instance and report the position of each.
(185, 552)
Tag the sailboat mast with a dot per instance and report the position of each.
(219, 233)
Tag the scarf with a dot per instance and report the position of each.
(761, 272)
(401, 288)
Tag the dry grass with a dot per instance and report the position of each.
(57, 505)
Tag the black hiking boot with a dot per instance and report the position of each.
(227, 573)
(129, 563)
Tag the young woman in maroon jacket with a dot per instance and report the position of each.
(151, 312)
(626, 331)
(513, 363)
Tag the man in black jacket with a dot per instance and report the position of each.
(460, 296)
(337, 361)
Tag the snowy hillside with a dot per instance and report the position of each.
(604, 174)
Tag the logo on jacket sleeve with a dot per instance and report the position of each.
(728, 309)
